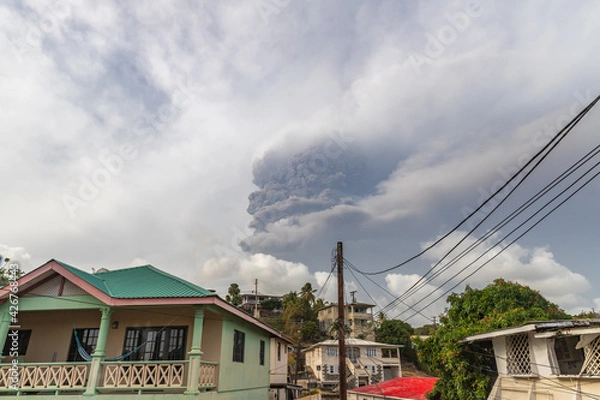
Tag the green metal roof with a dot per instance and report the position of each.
(140, 282)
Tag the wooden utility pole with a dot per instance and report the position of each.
(341, 321)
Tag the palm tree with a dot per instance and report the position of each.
(307, 293)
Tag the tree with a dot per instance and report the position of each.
(271, 304)
(307, 293)
(233, 295)
(9, 272)
(464, 374)
(398, 332)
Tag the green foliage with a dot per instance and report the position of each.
(271, 304)
(464, 374)
(425, 330)
(233, 295)
(398, 332)
(9, 272)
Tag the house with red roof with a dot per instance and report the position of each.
(130, 332)
(403, 388)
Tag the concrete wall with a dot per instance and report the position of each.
(236, 377)
(279, 372)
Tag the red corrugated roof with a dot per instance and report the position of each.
(405, 388)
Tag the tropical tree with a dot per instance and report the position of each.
(464, 374)
(307, 293)
(233, 295)
(8, 271)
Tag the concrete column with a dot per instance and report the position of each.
(195, 353)
(99, 353)
(4, 323)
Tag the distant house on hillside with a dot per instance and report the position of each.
(358, 318)
(542, 360)
(403, 388)
(251, 302)
(134, 331)
(367, 362)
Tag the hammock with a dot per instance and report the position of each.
(85, 355)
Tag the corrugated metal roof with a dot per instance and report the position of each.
(403, 388)
(140, 282)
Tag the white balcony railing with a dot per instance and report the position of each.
(39, 376)
(143, 374)
(138, 375)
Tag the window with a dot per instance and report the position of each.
(278, 351)
(371, 352)
(334, 370)
(570, 359)
(332, 352)
(389, 353)
(261, 353)
(239, 339)
(518, 361)
(16, 345)
(88, 338)
(353, 353)
(155, 343)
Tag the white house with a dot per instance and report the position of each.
(367, 362)
(557, 360)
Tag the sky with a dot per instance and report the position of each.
(238, 140)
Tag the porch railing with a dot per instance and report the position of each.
(207, 376)
(138, 375)
(144, 374)
(40, 376)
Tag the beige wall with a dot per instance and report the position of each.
(52, 331)
(211, 337)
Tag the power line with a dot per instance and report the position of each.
(550, 146)
(384, 289)
(511, 243)
(576, 166)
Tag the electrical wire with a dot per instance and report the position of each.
(576, 166)
(550, 146)
(349, 264)
(511, 243)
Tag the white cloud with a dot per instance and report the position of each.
(535, 267)
(274, 276)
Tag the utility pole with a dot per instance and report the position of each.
(256, 298)
(341, 324)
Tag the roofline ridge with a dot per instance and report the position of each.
(180, 280)
(65, 265)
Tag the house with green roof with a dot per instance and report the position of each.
(129, 332)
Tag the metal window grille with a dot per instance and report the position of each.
(519, 359)
(592, 358)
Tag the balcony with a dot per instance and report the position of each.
(123, 377)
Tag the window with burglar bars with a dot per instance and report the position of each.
(88, 338)
(155, 343)
(519, 360)
(592, 359)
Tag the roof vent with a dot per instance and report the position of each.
(101, 270)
